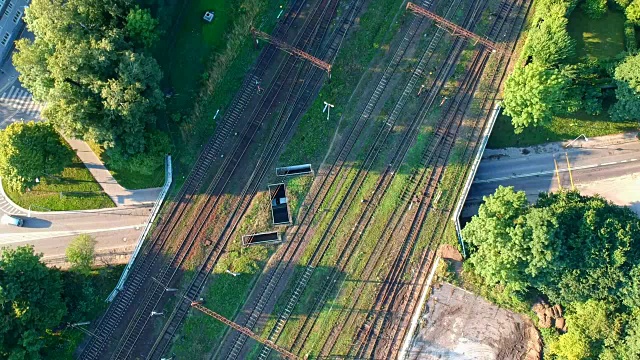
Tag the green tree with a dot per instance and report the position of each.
(31, 150)
(572, 248)
(141, 27)
(80, 253)
(627, 77)
(549, 43)
(633, 12)
(595, 9)
(85, 64)
(30, 302)
(534, 94)
(593, 329)
(510, 243)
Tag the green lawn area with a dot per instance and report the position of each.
(74, 189)
(561, 128)
(599, 38)
(185, 48)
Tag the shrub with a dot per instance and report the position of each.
(157, 145)
(550, 43)
(595, 8)
(633, 12)
(630, 42)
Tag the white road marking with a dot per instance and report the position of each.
(31, 236)
(551, 172)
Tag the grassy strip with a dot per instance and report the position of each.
(224, 74)
(224, 292)
(560, 129)
(74, 189)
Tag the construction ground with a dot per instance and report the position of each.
(460, 325)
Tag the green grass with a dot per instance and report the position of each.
(598, 38)
(74, 189)
(561, 128)
(199, 330)
(128, 178)
(185, 48)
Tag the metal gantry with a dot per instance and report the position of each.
(457, 30)
(292, 50)
(286, 353)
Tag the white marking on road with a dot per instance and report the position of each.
(550, 172)
(31, 236)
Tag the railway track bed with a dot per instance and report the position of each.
(350, 271)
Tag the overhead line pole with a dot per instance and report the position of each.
(286, 353)
(292, 50)
(457, 30)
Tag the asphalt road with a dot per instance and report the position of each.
(609, 166)
(51, 233)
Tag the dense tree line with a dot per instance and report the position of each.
(37, 303)
(90, 64)
(578, 251)
(549, 80)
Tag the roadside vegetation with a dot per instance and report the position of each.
(576, 74)
(41, 172)
(90, 64)
(580, 252)
(39, 304)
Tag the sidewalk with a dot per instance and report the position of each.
(119, 195)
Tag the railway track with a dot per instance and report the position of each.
(281, 132)
(365, 220)
(141, 272)
(286, 80)
(305, 276)
(425, 261)
(292, 246)
(402, 265)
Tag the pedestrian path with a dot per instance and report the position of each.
(17, 103)
(119, 195)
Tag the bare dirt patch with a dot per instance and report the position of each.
(460, 325)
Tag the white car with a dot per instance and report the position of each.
(11, 220)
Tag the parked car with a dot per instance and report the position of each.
(11, 220)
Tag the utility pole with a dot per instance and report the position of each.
(327, 107)
(286, 353)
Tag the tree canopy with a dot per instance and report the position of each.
(533, 94)
(31, 150)
(30, 301)
(578, 251)
(627, 78)
(89, 65)
(550, 43)
(80, 253)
